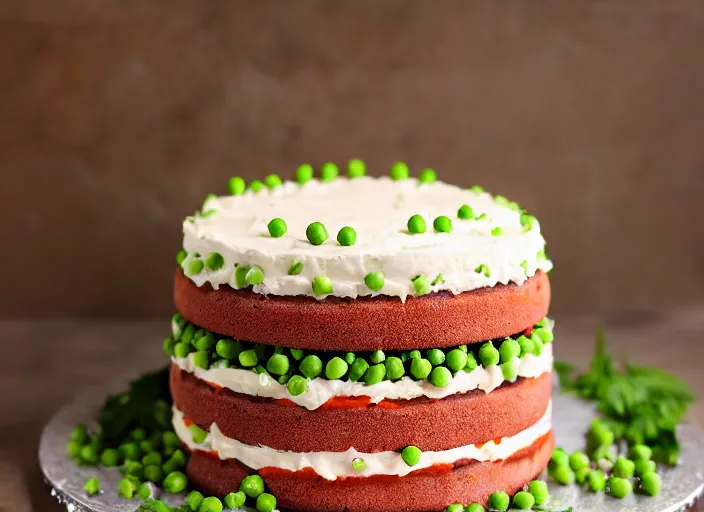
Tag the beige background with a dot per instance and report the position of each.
(118, 117)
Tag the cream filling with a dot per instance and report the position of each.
(333, 465)
(378, 209)
(321, 390)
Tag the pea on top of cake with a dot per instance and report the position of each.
(354, 235)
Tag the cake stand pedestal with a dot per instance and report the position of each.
(681, 485)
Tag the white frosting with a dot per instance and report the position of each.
(378, 209)
(321, 390)
(332, 465)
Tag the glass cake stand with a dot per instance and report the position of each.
(681, 486)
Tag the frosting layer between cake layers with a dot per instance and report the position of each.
(321, 390)
(333, 465)
(495, 245)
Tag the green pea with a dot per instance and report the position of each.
(278, 364)
(427, 176)
(442, 224)
(416, 225)
(176, 461)
(463, 348)
(465, 212)
(89, 454)
(134, 468)
(145, 492)
(169, 439)
(210, 504)
(527, 346)
(193, 267)
(336, 368)
(455, 507)
(596, 480)
(643, 467)
(579, 460)
(641, 452)
(440, 377)
(357, 369)
(399, 171)
(201, 359)
(214, 261)
(236, 186)
(175, 482)
(295, 268)
(421, 368)
(509, 369)
(394, 368)
(254, 276)
(374, 281)
(350, 358)
(600, 435)
(322, 285)
(563, 475)
(651, 484)
(228, 349)
(188, 332)
(435, 356)
(377, 356)
(620, 487)
(92, 486)
(347, 236)
(204, 342)
(414, 354)
(356, 168)
(471, 362)
(456, 359)
(523, 500)
(559, 457)
(181, 256)
(499, 501)
(129, 450)
(375, 374)
(252, 486)
(235, 499)
(624, 468)
(421, 285)
(297, 385)
(438, 279)
(497, 231)
(193, 500)
(488, 355)
(303, 174)
(580, 475)
(539, 490)
(508, 350)
(153, 473)
(198, 434)
(311, 366)
(411, 455)
(248, 358)
(545, 334)
(260, 370)
(316, 233)
(241, 275)
(152, 458)
(283, 379)
(266, 502)
(475, 507)
(169, 344)
(483, 269)
(110, 457)
(277, 227)
(272, 181)
(476, 189)
(328, 171)
(182, 349)
(359, 464)
(126, 488)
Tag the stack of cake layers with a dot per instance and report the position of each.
(363, 344)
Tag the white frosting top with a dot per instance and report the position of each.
(332, 465)
(378, 209)
(321, 390)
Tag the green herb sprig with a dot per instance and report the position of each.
(639, 404)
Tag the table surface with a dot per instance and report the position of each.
(46, 362)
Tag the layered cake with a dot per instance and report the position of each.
(363, 344)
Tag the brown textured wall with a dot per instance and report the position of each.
(118, 117)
